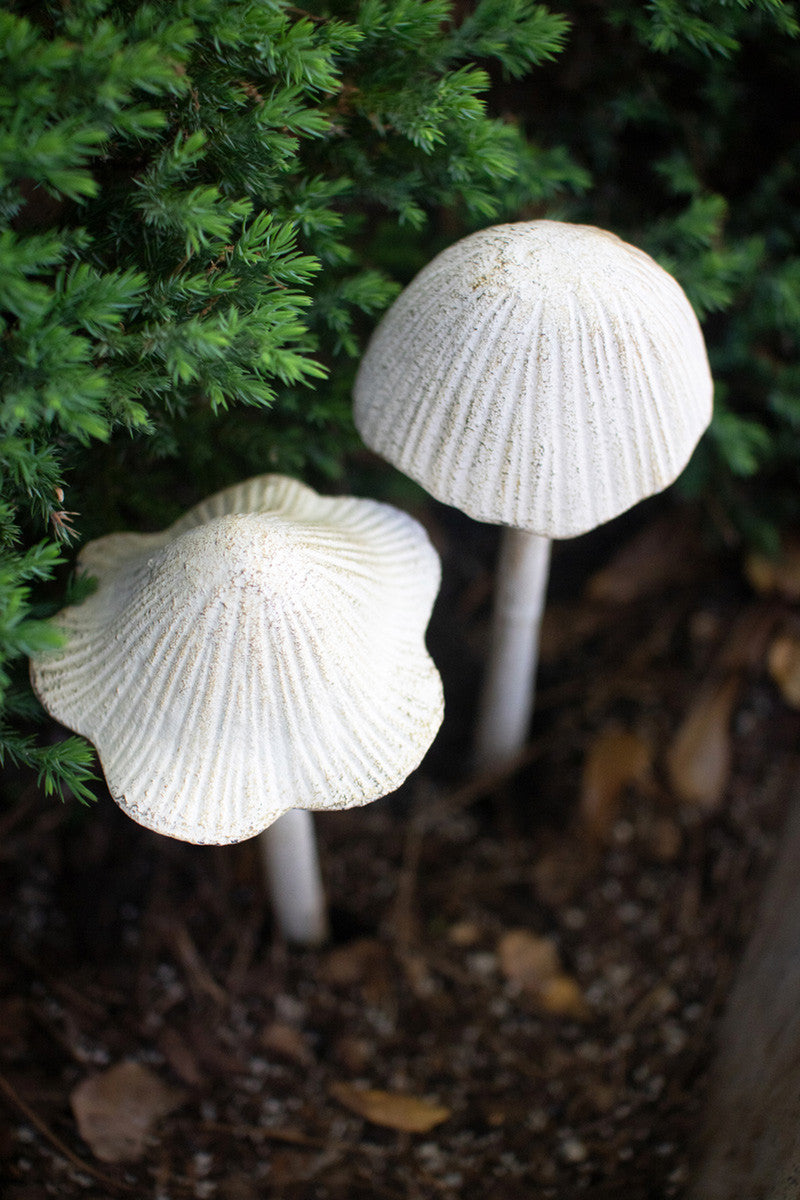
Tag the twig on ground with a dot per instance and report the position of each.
(430, 807)
(258, 1133)
(80, 1164)
(200, 979)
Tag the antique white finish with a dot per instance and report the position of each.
(262, 654)
(294, 877)
(507, 694)
(542, 376)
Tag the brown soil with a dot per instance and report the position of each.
(536, 962)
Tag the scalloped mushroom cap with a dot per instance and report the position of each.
(264, 653)
(540, 375)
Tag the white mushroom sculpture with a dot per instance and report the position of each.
(543, 376)
(263, 655)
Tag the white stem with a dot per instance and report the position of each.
(294, 879)
(507, 700)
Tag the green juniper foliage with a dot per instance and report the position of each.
(189, 193)
(682, 113)
(205, 205)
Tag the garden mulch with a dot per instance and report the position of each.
(522, 991)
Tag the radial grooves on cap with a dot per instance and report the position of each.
(521, 458)
(614, 483)
(227, 777)
(480, 345)
(285, 711)
(266, 710)
(546, 483)
(413, 430)
(106, 553)
(589, 458)
(192, 682)
(263, 493)
(571, 382)
(662, 440)
(484, 416)
(180, 667)
(613, 365)
(209, 705)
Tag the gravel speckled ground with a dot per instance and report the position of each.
(526, 971)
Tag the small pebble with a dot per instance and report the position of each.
(573, 1150)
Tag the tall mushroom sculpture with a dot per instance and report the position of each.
(263, 655)
(543, 376)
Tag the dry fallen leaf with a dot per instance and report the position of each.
(365, 964)
(117, 1110)
(464, 933)
(699, 757)
(286, 1042)
(532, 965)
(783, 663)
(180, 1056)
(561, 996)
(527, 960)
(615, 759)
(747, 639)
(392, 1110)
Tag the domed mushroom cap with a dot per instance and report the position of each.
(264, 653)
(540, 375)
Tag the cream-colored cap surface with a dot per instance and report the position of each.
(540, 375)
(264, 653)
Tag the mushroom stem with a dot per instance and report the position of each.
(507, 700)
(294, 879)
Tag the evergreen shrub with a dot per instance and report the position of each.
(191, 195)
(205, 206)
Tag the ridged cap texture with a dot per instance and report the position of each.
(266, 652)
(541, 375)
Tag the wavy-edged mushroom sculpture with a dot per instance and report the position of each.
(263, 654)
(543, 376)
